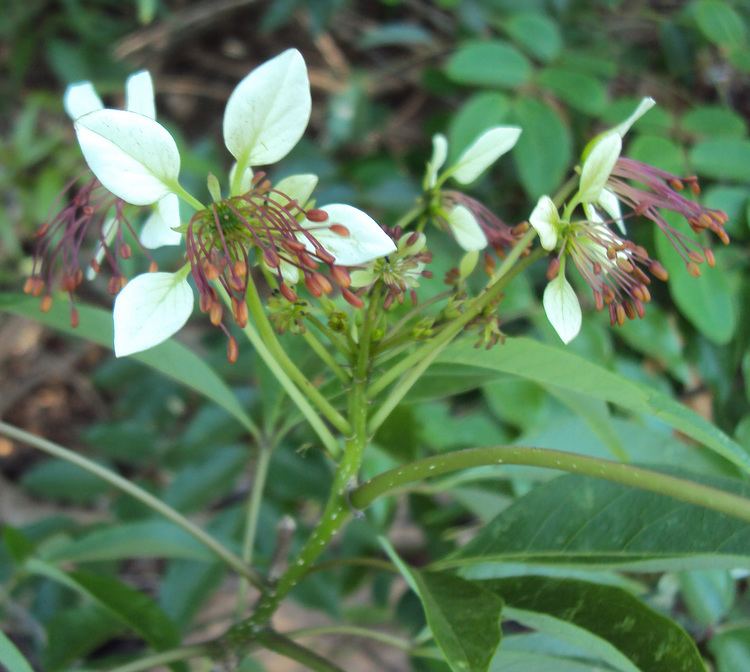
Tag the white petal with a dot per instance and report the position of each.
(245, 183)
(609, 202)
(150, 308)
(437, 160)
(546, 221)
(139, 94)
(484, 151)
(597, 167)
(81, 98)
(268, 111)
(562, 308)
(644, 106)
(159, 227)
(298, 187)
(366, 240)
(133, 156)
(466, 229)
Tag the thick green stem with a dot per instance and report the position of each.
(254, 502)
(165, 657)
(635, 477)
(134, 491)
(273, 641)
(266, 331)
(421, 359)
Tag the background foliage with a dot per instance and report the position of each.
(385, 76)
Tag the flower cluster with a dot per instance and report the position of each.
(278, 228)
(617, 270)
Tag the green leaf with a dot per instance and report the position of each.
(544, 150)
(713, 120)
(171, 358)
(143, 539)
(11, 657)
(57, 479)
(526, 661)
(578, 521)
(579, 90)
(477, 114)
(76, 631)
(719, 22)
(731, 649)
(488, 63)
(464, 617)
(550, 365)
(536, 33)
(708, 594)
(649, 640)
(134, 609)
(707, 301)
(722, 159)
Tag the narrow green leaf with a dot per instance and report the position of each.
(171, 358)
(11, 657)
(544, 150)
(464, 617)
(652, 642)
(488, 63)
(550, 365)
(574, 520)
(134, 609)
(76, 631)
(143, 539)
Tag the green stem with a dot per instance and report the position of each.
(319, 349)
(324, 434)
(173, 656)
(635, 477)
(266, 331)
(273, 641)
(254, 502)
(186, 196)
(355, 631)
(136, 492)
(331, 335)
(337, 509)
(389, 338)
(410, 215)
(421, 359)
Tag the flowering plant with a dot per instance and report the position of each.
(381, 308)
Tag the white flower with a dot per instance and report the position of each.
(546, 221)
(81, 99)
(137, 159)
(599, 159)
(474, 160)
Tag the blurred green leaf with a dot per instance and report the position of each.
(649, 640)
(731, 649)
(719, 22)
(708, 594)
(579, 521)
(488, 63)
(143, 539)
(579, 90)
(536, 33)
(544, 150)
(58, 479)
(712, 120)
(722, 159)
(75, 632)
(394, 34)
